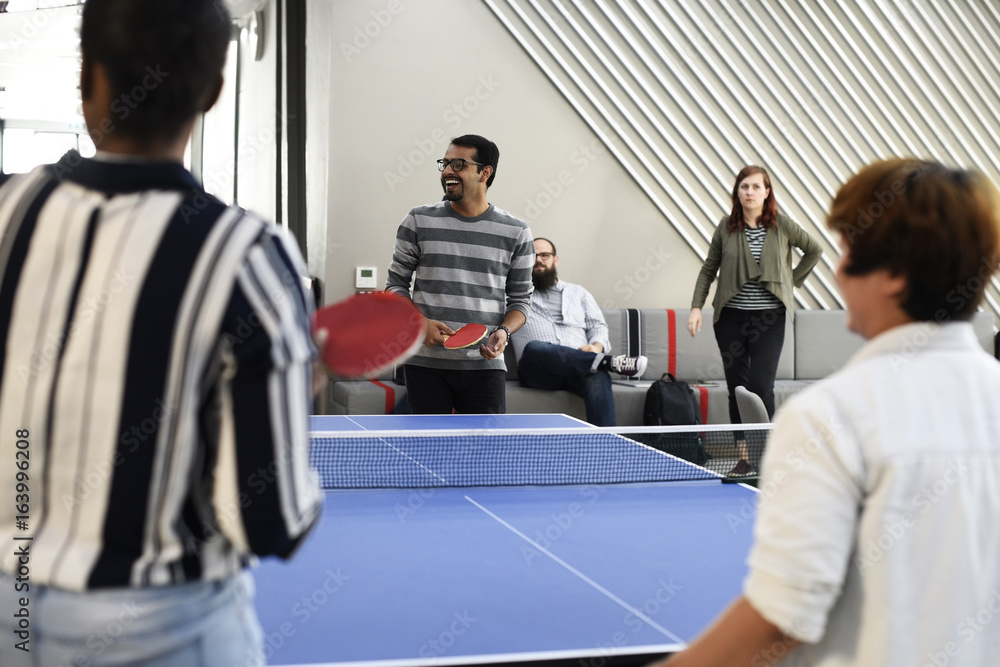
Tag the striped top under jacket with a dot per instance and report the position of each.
(464, 270)
(155, 372)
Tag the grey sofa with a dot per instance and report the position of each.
(817, 343)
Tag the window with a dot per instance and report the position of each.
(24, 148)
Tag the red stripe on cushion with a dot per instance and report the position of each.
(703, 395)
(671, 342)
(390, 395)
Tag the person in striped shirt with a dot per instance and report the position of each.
(751, 253)
(155, 373)
(468, 262)
(565, 345)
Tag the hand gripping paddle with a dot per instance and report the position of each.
(465, 337)
(368, 333)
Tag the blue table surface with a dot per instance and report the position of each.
(419, 422)
(493, 574)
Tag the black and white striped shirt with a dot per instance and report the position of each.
(753, 295)
(156, 359)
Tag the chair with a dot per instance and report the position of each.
(752, 410)
(751, 447)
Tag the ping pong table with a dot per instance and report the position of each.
(581, 574)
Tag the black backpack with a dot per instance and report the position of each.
(672, 403)
(669, 402)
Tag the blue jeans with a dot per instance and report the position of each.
(550, 366)
(191, 625)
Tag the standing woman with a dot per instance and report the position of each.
(751, 253)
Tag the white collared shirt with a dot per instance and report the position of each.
(876, 535)
(577, 322)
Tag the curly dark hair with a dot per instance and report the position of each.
(163, 59)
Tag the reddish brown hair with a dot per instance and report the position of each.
(769, 216)
(937, 227)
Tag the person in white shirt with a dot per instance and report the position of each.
(564, 344)
(875, 536)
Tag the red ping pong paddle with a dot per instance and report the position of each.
(465, 337)
(368, 333)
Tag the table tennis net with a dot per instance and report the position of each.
(508, 457)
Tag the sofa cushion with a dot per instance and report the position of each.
(665, 341)
(823, 343)
(630, 399)
(364, 397)
(524, 400)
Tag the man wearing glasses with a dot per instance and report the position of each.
(469, 262)
(565, 343)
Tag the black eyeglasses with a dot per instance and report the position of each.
(543, 255)
(457, 164)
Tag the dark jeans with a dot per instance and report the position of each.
(550, 366)
(750, 342)
(436, 391)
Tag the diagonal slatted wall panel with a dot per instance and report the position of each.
(684, 92)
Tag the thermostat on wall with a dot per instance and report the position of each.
(364, 277)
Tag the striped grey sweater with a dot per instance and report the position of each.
(463, 270)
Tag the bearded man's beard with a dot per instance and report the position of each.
(544, 279)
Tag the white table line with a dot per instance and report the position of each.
(581, 575)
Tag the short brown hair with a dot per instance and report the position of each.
(937, 227)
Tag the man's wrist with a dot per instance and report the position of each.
(505, 330)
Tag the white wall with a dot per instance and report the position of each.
(406, 77)
(811, 90)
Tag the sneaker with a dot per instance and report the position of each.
(742, 469)
(629, 366)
